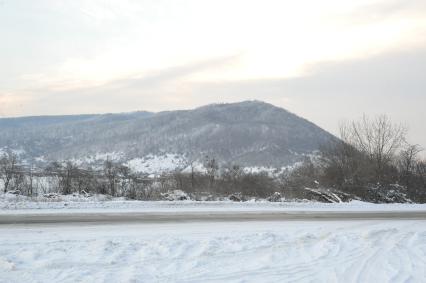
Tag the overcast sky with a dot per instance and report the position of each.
(326, 60)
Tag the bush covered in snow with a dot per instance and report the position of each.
(175, 195)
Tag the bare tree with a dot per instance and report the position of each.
(30, 181)
(421, 173)
(8, 168)
(125, 178)
(212, 168)
(68, 176)
(192, 165)
(111, 173)
(407, 162)
(231, 177)
(378, 138)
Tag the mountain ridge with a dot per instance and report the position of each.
(250, 133)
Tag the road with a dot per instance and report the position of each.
(176, 217)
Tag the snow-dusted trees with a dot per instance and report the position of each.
(68, 175)
(232, 175)
(8, 169)
(111, 173)
(372, 157)
(212, 168)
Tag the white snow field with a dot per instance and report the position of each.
(100, 203)
(329, 251)
(196, 251)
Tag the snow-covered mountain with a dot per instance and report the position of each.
(249, 133)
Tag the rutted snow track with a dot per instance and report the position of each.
(355, 251)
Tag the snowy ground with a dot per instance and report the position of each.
(269, 251)
(354, 251)
(19, 204)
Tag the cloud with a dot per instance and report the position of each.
(391, 74)
(155, 89)
(392, 83)
(383, 10)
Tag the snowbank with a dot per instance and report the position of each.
(98, 203)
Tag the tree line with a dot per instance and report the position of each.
(370, 161)
(119, 180)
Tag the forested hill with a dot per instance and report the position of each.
(249, 133)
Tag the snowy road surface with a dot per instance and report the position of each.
(257, 251)
(124, 241)
(205, 216)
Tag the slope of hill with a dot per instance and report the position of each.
(249, 133)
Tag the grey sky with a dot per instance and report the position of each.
(324, 60)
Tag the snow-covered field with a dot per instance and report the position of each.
(270, 251)
(354, 251)
(98, 203)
